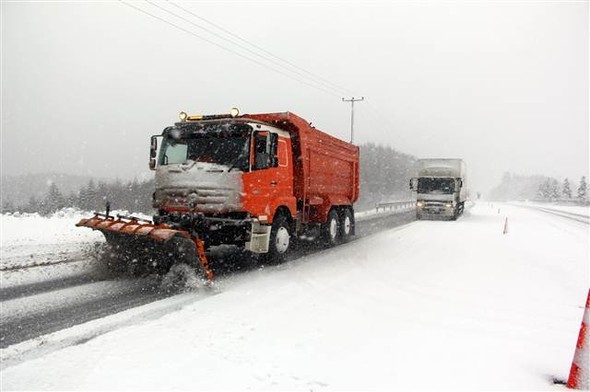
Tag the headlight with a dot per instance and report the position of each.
(234, 112)
(449, 204)
(419, 203)
(182, 116)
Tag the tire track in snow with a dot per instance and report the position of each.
(91, 306)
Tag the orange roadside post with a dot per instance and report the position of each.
(579, 377)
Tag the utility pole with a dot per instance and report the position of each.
(352, 101)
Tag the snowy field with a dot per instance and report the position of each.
(430, 305)
(30, 239)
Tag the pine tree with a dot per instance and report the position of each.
(32, 206)
(545, 190)
(583, 189)
(87, 196)
(554, 190)
(566, 190)
(54, 200)
(8, 207)
(102, 195)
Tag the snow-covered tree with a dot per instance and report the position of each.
(8, 206)
(554, 189)
(549, 189)
(87, 196)
(566, 190)
(583, 189)
(54, 200)
(385, 174)
(545, 189)
(32, 206)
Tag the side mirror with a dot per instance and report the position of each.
(413, 183)
(460, 182)
(153, 152)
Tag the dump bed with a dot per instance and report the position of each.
(326, 169)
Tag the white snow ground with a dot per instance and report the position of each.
(430, 305)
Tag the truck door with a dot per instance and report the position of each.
(271, 179)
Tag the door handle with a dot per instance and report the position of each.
(273, 183)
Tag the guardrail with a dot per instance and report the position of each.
(395, 205)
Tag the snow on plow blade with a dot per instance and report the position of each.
(158, 246)
(160, 233)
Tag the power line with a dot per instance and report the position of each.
(331, 92)
(323, 80)
(232, 42)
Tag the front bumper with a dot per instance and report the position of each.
(431, 207)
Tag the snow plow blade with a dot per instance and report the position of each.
(157, 246)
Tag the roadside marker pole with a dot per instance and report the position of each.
(579, 377)
(505, 226)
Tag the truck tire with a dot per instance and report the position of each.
(331, 229)
(346, 225)
(280, 240)
(456, 213)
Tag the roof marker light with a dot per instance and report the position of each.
(234, 112)
(182, 116)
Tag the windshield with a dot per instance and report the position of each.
(228, 149)
(436, 185)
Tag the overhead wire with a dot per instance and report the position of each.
(325, 85)
(232, 42)
(331, 91)
(343, 90)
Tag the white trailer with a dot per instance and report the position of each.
(441, 188)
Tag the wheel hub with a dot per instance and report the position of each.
(282, 240)
(333, 228)
(347, 225)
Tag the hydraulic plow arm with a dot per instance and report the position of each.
(126, 230)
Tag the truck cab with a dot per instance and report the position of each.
(222, 177)
(440, 188)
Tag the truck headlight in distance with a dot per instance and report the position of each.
(234, 112)
(419, 203)
(449, 204)
(182, 116)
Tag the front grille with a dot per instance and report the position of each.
(435, 207)
(203, 199)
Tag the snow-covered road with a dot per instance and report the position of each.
(430, 305)
(44, 292)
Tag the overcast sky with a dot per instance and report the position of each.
(503, 85)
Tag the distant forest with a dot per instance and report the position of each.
(540, 188)
(385, 175)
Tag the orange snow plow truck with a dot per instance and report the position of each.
(258, 181)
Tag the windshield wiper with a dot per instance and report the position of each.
(234, 164)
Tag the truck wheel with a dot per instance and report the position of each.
(346, 225)
(456, 213)
(331, 229)
(280, 240)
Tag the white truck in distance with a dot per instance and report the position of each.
(440, 187)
